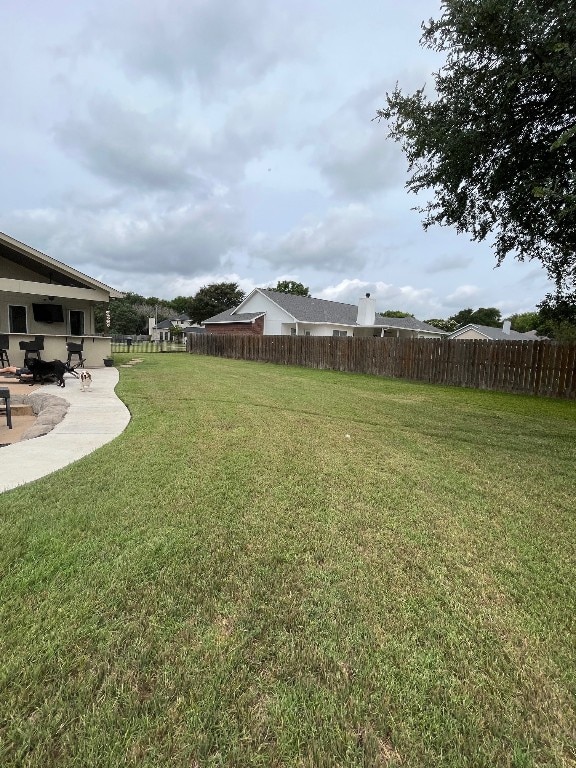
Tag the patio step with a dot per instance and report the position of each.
(21, 409)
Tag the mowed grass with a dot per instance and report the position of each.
(275, 566)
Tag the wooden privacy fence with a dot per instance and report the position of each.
(142, 347)
(531, 367)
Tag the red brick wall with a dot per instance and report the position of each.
(255, 328)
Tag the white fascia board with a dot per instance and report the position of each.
(330, 323)
(470, 327)
(244, 300)
(27, 287)
(234, 320)
(225, 322)
(282, 309)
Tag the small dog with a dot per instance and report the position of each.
(85, 381)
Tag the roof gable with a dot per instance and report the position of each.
(232, 316)
(56, 271)
(494, 334)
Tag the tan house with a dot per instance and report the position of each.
(42, 297)
(487, 333)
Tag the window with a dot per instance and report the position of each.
(292, 331)
(339, 333)
(17, 319)
(48, 313)
(76, 322)
(306, 333)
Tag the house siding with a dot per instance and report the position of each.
(305, 316)
(255, 328)
(470, 335)
(24, 286)
(276, 318)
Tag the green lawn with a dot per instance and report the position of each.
(276, 566)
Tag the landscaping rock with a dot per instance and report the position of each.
(50, 410)
(51, 415)
(37, 431)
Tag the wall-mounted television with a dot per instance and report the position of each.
(48, 313)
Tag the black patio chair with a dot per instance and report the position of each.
(4, 347)
(76, 348)
(33, 347)
(5, 395)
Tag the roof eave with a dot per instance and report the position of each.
(44, 258)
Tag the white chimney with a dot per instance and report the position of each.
(506, 325)
(366, 311)
(151, 324)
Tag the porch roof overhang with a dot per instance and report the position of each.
(58, 274)
(27, 287)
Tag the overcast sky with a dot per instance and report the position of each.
(161, 146)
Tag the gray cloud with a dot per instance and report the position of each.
(128, 147)
(150, 144)
(387, 296)
(463, 295)
(188, 239)
(161, 151)
(448, 264)
(215, 44)
(338, 241)
(351, 150)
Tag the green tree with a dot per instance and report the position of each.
(557, 318)
(524, 321)
(443, 325)
(395, 313)
(100, 318)
(213, 299)
(291, 286)
(133, 299)
(482, 316)
(125, 318)
(129, 315)
(181, 304)
(176, 331)
(497, 144)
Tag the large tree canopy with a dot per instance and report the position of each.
(489, 316)
(497, 145)
(213, 299)
(395, 313)
(291, 286)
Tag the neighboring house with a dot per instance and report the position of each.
(265, 312)
(40, 296)
(162, 331)
(472, 331)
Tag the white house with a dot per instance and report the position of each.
(162, 331)
(42, 297)
(272, 313)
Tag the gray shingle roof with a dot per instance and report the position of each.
(238, 317)
(409, 323)
(496, 334)
(172, 321)
(306, 309)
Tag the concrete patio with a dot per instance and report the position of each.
(94, 418)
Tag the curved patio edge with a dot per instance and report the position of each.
(94, 418)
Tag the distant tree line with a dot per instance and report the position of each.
(129, 315)
(555, 318)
